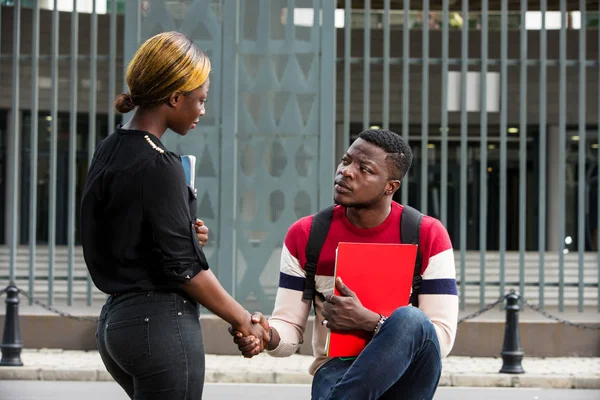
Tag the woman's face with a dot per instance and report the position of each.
(187, 109)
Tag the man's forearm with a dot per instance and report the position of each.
(207, 290)
(369, 321)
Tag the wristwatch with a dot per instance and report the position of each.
(382, 319)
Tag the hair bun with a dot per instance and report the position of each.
(124, 103)
(129, 100)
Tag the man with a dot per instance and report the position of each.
(403, 358)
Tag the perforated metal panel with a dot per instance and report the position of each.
(278, 139)
(200, 20)
(266, 154)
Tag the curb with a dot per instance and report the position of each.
(288, 377)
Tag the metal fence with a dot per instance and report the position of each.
(490, 106)
(58, 96)
(397, 82)
(248, 204)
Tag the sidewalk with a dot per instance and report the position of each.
(564, 373)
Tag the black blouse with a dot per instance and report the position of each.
(137, 217)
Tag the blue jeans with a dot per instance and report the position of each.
(401, 362)
(151, 344)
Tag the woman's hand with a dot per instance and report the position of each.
(250, 346)
(201, 232)
(252, 338)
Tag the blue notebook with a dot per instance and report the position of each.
(189, 167)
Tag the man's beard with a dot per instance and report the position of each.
(358, 205)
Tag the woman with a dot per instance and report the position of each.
(139, 233)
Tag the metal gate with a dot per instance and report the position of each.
(506, 153)
(498, 101)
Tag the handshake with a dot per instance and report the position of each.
(341, 313)
(258, 337)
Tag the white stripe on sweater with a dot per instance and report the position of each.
(441, 266)
(290, 264)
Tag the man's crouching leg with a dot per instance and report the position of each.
(401, 362)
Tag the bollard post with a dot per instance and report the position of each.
(11, 340)
(512, 351)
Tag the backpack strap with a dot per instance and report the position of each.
(318, 233)
(410, 229)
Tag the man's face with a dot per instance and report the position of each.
(362, 178)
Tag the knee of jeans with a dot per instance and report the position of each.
(409, 317)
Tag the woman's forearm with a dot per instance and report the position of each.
(207, 290)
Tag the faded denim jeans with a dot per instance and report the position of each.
(401, 362)
(151, 344)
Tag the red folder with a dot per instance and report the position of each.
(381, 276)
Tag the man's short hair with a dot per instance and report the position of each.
(399, 154)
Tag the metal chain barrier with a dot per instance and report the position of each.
(483, 310)
(56, 311)
(558, 319)
(461, 320)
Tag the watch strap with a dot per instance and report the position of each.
(382, 319)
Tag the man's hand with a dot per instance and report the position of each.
(201, 232)
(346, 312)
(256, 339)
(250, 346)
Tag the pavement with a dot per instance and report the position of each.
(548, 373)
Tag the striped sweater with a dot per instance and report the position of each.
(438, 296)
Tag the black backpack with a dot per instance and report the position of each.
(410, 227)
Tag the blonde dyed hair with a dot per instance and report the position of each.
(165, 64)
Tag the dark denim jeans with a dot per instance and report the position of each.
(151, 344)
(401, 362)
